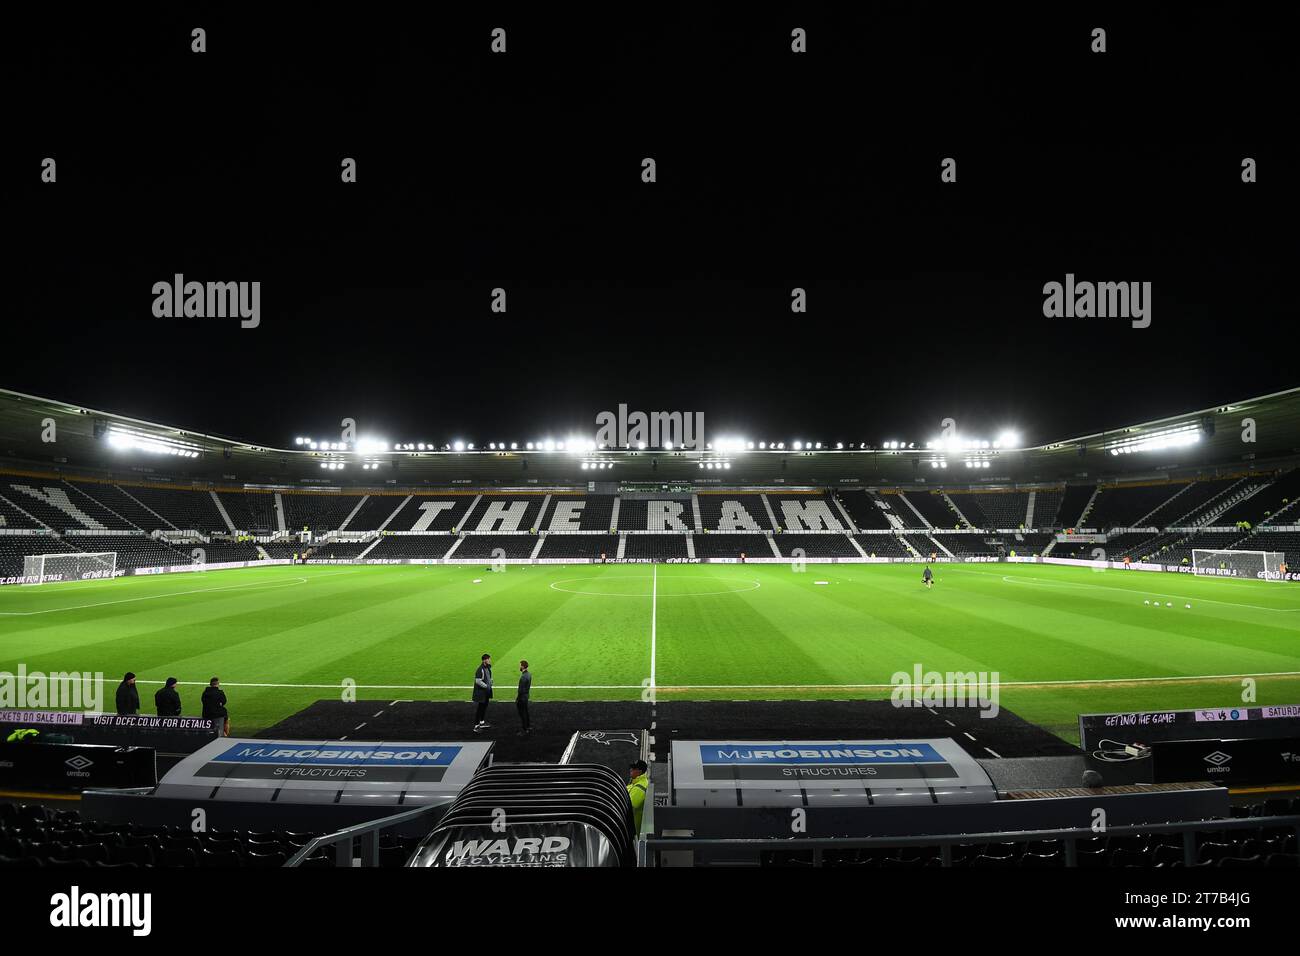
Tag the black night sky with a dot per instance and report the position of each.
(775, 170)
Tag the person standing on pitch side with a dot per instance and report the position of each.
(128, 696)
(214, 705)
(482, 692)
(167, 700)
(521, 699)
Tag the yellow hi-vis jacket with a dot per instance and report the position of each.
(636, 790)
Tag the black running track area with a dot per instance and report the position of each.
(554, 723)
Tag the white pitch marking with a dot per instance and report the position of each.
(994, 752)
(1005, 683)
(359, 726)
(555, 586)
(156, 597)
(654, 605)
(1047, 582)
(968, 736)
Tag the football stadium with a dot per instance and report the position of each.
(801, 440)
(964, 624)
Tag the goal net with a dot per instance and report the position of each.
(1264, 565)
(82, 566)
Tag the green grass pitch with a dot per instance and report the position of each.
(1063, 640)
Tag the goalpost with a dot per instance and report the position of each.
(81, 566)
(1264, 565)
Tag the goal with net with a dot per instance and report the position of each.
(1264, 565)
(81, 566)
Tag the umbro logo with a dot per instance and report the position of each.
(1218, 758)
(79, 762)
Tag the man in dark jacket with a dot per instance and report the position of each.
(521, 699)
(214, 705)
(482, 692)
(167, 700)
(128, 697)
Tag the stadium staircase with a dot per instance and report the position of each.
(353, 514)
(464, 522)
(848, 521)
(1087, 509)
(1228, 499)
(1029, 509)
(926, 524)
(460, 538)
(952, 504)
(72, 490)
(395, 513)
(1142, 521)
(1289, 512)
(165, 522)
(369, 547)
(221, 510)
(541, 516)
(939, 545)
(27, 514)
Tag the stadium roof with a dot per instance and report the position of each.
(43, 433)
